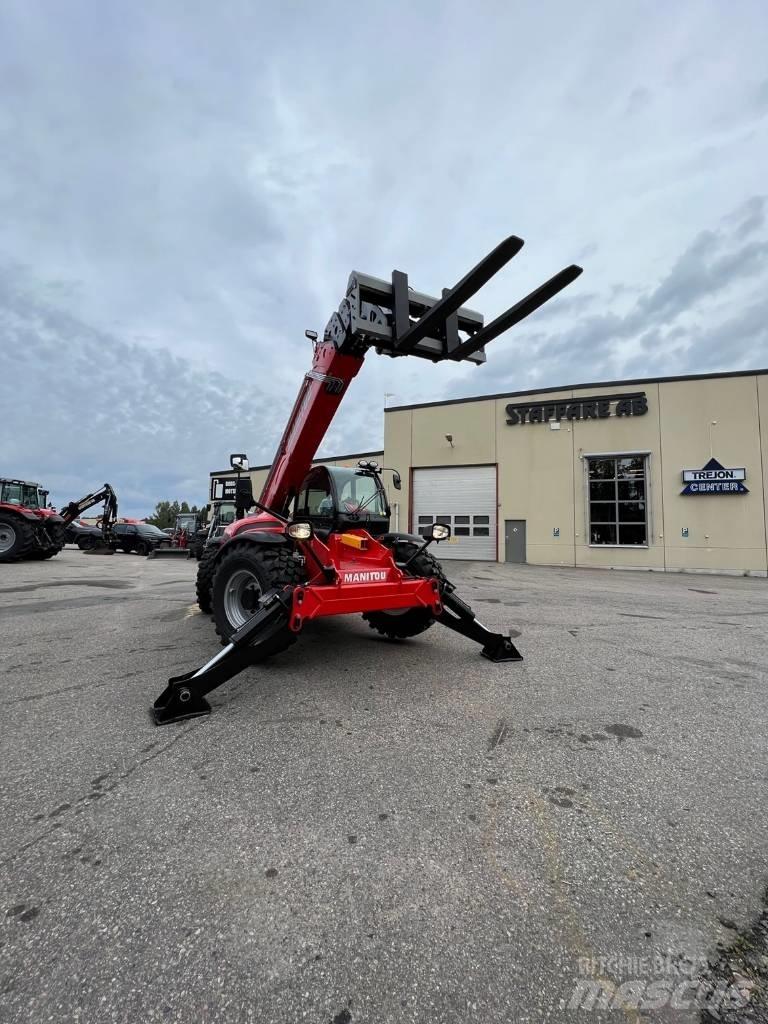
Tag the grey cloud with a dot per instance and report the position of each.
(186, 190)
(709, 312)
(94, 408)
(637, 100)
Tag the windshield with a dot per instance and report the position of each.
(357, 493)
(151, 531)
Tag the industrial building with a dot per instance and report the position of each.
(662, 473)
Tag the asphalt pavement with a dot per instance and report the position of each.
(368, 831)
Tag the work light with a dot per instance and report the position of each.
(299, 531)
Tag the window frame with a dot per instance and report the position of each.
(645, 454)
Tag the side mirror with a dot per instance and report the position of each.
(244, 493)
(440, 531)
(397, 483)
(312, 335)
(239, 462)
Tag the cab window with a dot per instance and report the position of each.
(315, 499)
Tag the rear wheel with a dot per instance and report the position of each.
(204, 584)
(243, 575)
(404, 622)
(16, 538)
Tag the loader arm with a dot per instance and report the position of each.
(106, 494)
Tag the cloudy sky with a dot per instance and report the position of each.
(185, 187)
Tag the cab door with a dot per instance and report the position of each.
(315, 499)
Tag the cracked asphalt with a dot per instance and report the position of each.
(371, 832)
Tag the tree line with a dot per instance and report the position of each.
(165, 513)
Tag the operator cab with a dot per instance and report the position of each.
(334, 499)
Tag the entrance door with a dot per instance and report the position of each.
(514, 540)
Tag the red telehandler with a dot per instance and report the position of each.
(321, 544)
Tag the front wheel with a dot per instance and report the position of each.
(400, 623)
(244, 573)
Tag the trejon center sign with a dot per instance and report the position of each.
(714, 479)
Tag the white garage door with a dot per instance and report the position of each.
(463, 497)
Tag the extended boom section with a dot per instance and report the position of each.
(321, 543)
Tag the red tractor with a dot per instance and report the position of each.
(28, 528)
(321, 543)
(31, 529)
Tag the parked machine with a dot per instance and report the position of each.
(106, 522)
(321, 543)
(28, 528)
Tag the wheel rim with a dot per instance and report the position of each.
(7, 537)
(241, 597)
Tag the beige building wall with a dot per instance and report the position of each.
(724, 531)
(542, 472)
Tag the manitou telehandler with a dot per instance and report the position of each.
(30, 529)
(321, 544)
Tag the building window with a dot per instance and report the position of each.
(618, 509)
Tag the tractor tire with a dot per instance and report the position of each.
(204, 584)
(244, 573)
(17, 538)
(43, 553)
(400, 624)
(56, 533)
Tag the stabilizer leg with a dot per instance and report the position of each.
(184, 696)
(458, 616)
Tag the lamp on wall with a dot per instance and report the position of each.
(449, 439)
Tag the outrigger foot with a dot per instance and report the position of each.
(459, 617)
(184, 696)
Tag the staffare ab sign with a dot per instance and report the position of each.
(714, 479)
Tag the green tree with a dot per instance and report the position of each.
(165, 513)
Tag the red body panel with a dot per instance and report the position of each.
(47, 515)
(258, 521)
(367, 580)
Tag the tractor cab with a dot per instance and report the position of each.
(23, 494)
(336, 498)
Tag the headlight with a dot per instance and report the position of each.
(299, 531)
(440, 531)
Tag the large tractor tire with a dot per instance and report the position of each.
(17, 538)
(204, 584)
(56, 533)
(401, 623)
(244, 573)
